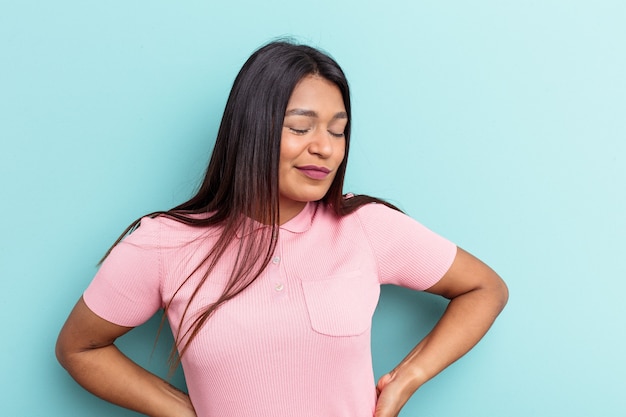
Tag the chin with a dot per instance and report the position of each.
(315, 197)
(303, 194)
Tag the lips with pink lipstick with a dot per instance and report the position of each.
(314, 172)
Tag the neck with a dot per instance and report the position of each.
(289, 210)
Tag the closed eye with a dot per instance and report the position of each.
(336, 135)
(299, 131)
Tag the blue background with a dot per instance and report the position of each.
(499, 124)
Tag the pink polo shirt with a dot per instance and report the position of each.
(296, 343)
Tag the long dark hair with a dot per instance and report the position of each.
(240, 186)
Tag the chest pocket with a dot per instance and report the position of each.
(341, 305)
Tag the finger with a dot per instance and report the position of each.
(382, 382)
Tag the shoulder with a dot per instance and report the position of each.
(376, 209)
(165, 230)
(370, 218)
(386, 224)
(373, 214)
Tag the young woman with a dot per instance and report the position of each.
(269, 276)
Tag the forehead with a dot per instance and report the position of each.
(314, 92)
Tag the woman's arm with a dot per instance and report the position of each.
(85, 349)
(477, 295)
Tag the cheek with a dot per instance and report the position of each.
(288, 150)
(341, 152)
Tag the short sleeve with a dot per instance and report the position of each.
(408, 254)
(126, 288)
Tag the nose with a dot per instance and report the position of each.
(321, 144)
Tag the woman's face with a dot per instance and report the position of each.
(312, 144)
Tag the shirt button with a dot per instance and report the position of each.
(279, 286)
(276, 259)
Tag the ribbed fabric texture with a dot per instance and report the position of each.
(296, 343)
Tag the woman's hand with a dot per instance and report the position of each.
(392, 395)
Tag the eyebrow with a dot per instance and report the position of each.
(312, 113)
